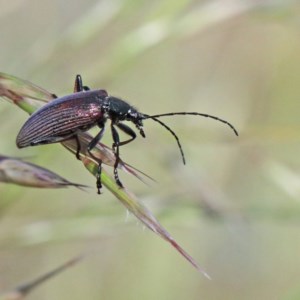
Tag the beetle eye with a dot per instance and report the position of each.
(129, 114)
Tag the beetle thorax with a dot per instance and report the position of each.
(120, 110)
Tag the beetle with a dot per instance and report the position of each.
(62, 119)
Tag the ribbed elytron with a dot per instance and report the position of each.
(64, 117)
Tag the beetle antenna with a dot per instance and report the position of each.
(194, 114)
(171, 131)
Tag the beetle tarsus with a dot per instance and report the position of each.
(98, 176)
(117, 179)
(115, 147)
(116, 174)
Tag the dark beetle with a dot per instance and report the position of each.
(64, 117)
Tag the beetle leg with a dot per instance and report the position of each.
(96, 139)
(79, 87)
(90, 147)
(78, 84)
(78, 147)
(126, 129)
(115, 147)
(98, 177)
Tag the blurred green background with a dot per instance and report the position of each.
(235, 205)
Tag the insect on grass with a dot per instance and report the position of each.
(64, 117)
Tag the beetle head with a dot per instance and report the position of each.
(136, 118)
(119, 110)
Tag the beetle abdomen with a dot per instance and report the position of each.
(60, 119)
